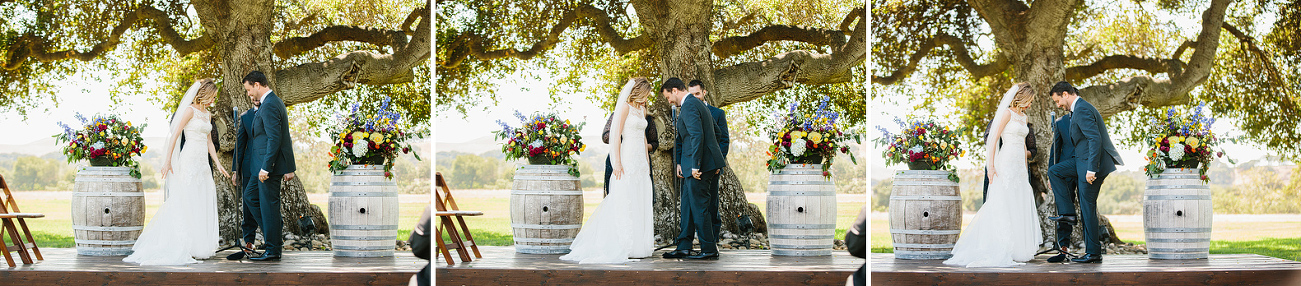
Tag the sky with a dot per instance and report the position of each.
(88, 97)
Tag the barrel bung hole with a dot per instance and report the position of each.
(363, 210)
(799, 209)
(926, 214)
(106, 210)
(1179, 213)
(544, 209)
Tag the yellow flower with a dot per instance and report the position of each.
(143, 149)
(1176, 139)
(580, 149)
(797, 135)
(358, 135)
(815, 137)
(1192, 141)
(377, 137)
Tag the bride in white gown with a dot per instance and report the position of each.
(621, 226)
(185, 227)
(1005, 232)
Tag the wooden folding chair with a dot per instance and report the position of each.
(7, 203)
(446, 209)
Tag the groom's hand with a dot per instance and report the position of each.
(1090, 177)
(234, 180)
(695, 173)
(679, 171)
(262, 176)
(289, 176)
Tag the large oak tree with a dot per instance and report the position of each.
(333, 50)
(1123, 56)
(754, 58)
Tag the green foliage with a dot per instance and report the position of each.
(583, 63)
(1262, 191)
(1122, 194)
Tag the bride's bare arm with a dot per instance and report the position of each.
(616, 138)
(186, 115)
(991, 143)
(212, 153)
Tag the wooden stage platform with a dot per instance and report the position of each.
(62, 266)
(1219, 269)
(500, 265)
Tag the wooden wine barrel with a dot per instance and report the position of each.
(1177, 215)
(363, 212)
(925, 214)
(801, 211)
(546, 209)
(108, 211)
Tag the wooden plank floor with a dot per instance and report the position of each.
(62, 266)
(500, 265)
(1219, 269)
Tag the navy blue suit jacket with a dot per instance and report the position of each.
(273, 149)
(720, 128)
(243, 148)
(1063, 147)
(1092, 143)
(696, 147)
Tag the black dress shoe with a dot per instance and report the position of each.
(677, 254)
(705, 256)
(1069, 219)
(1089, 258)
(1058, 258)
(266, 257)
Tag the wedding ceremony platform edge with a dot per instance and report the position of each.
(1219, 269)
(62, 266)
(501, 265)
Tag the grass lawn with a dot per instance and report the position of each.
(55, 229)
(493, 228)
(1269, 235)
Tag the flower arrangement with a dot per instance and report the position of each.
(369, 137)
(922, 144)
(808, 138)
(1181, 139)
(105, 140)
(544, 139)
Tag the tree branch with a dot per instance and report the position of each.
(31, 46)
(963, 57)
(1151, 65)
(380, 37)
(1144, 90)
(1003, 19)
(311, 81)
(1271, 69)
(472, 44)
(730, 46)
(746, 81)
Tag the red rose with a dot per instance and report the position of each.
(1204, 178)
(1165, 148)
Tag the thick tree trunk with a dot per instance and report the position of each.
(243, 32)
(680, 30)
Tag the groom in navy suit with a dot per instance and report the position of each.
(273, 157)
(1081, 177)
(242, 168)
(699, 158)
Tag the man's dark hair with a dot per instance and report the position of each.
(1063, 86)
(696, 82)
(256, 77)
(672, 83)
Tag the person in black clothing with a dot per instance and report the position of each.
(652, 142)
(1031, 149)
(856, 244)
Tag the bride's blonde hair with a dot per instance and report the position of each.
(641, 89)
(1024, 94)
(207, 88)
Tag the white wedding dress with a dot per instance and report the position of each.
(1005, 232)
(621, 226)
(185, 227)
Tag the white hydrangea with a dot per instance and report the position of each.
(1176, 152)
(360, 147)
(98, 145)
(797, 147)
(916, 149)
